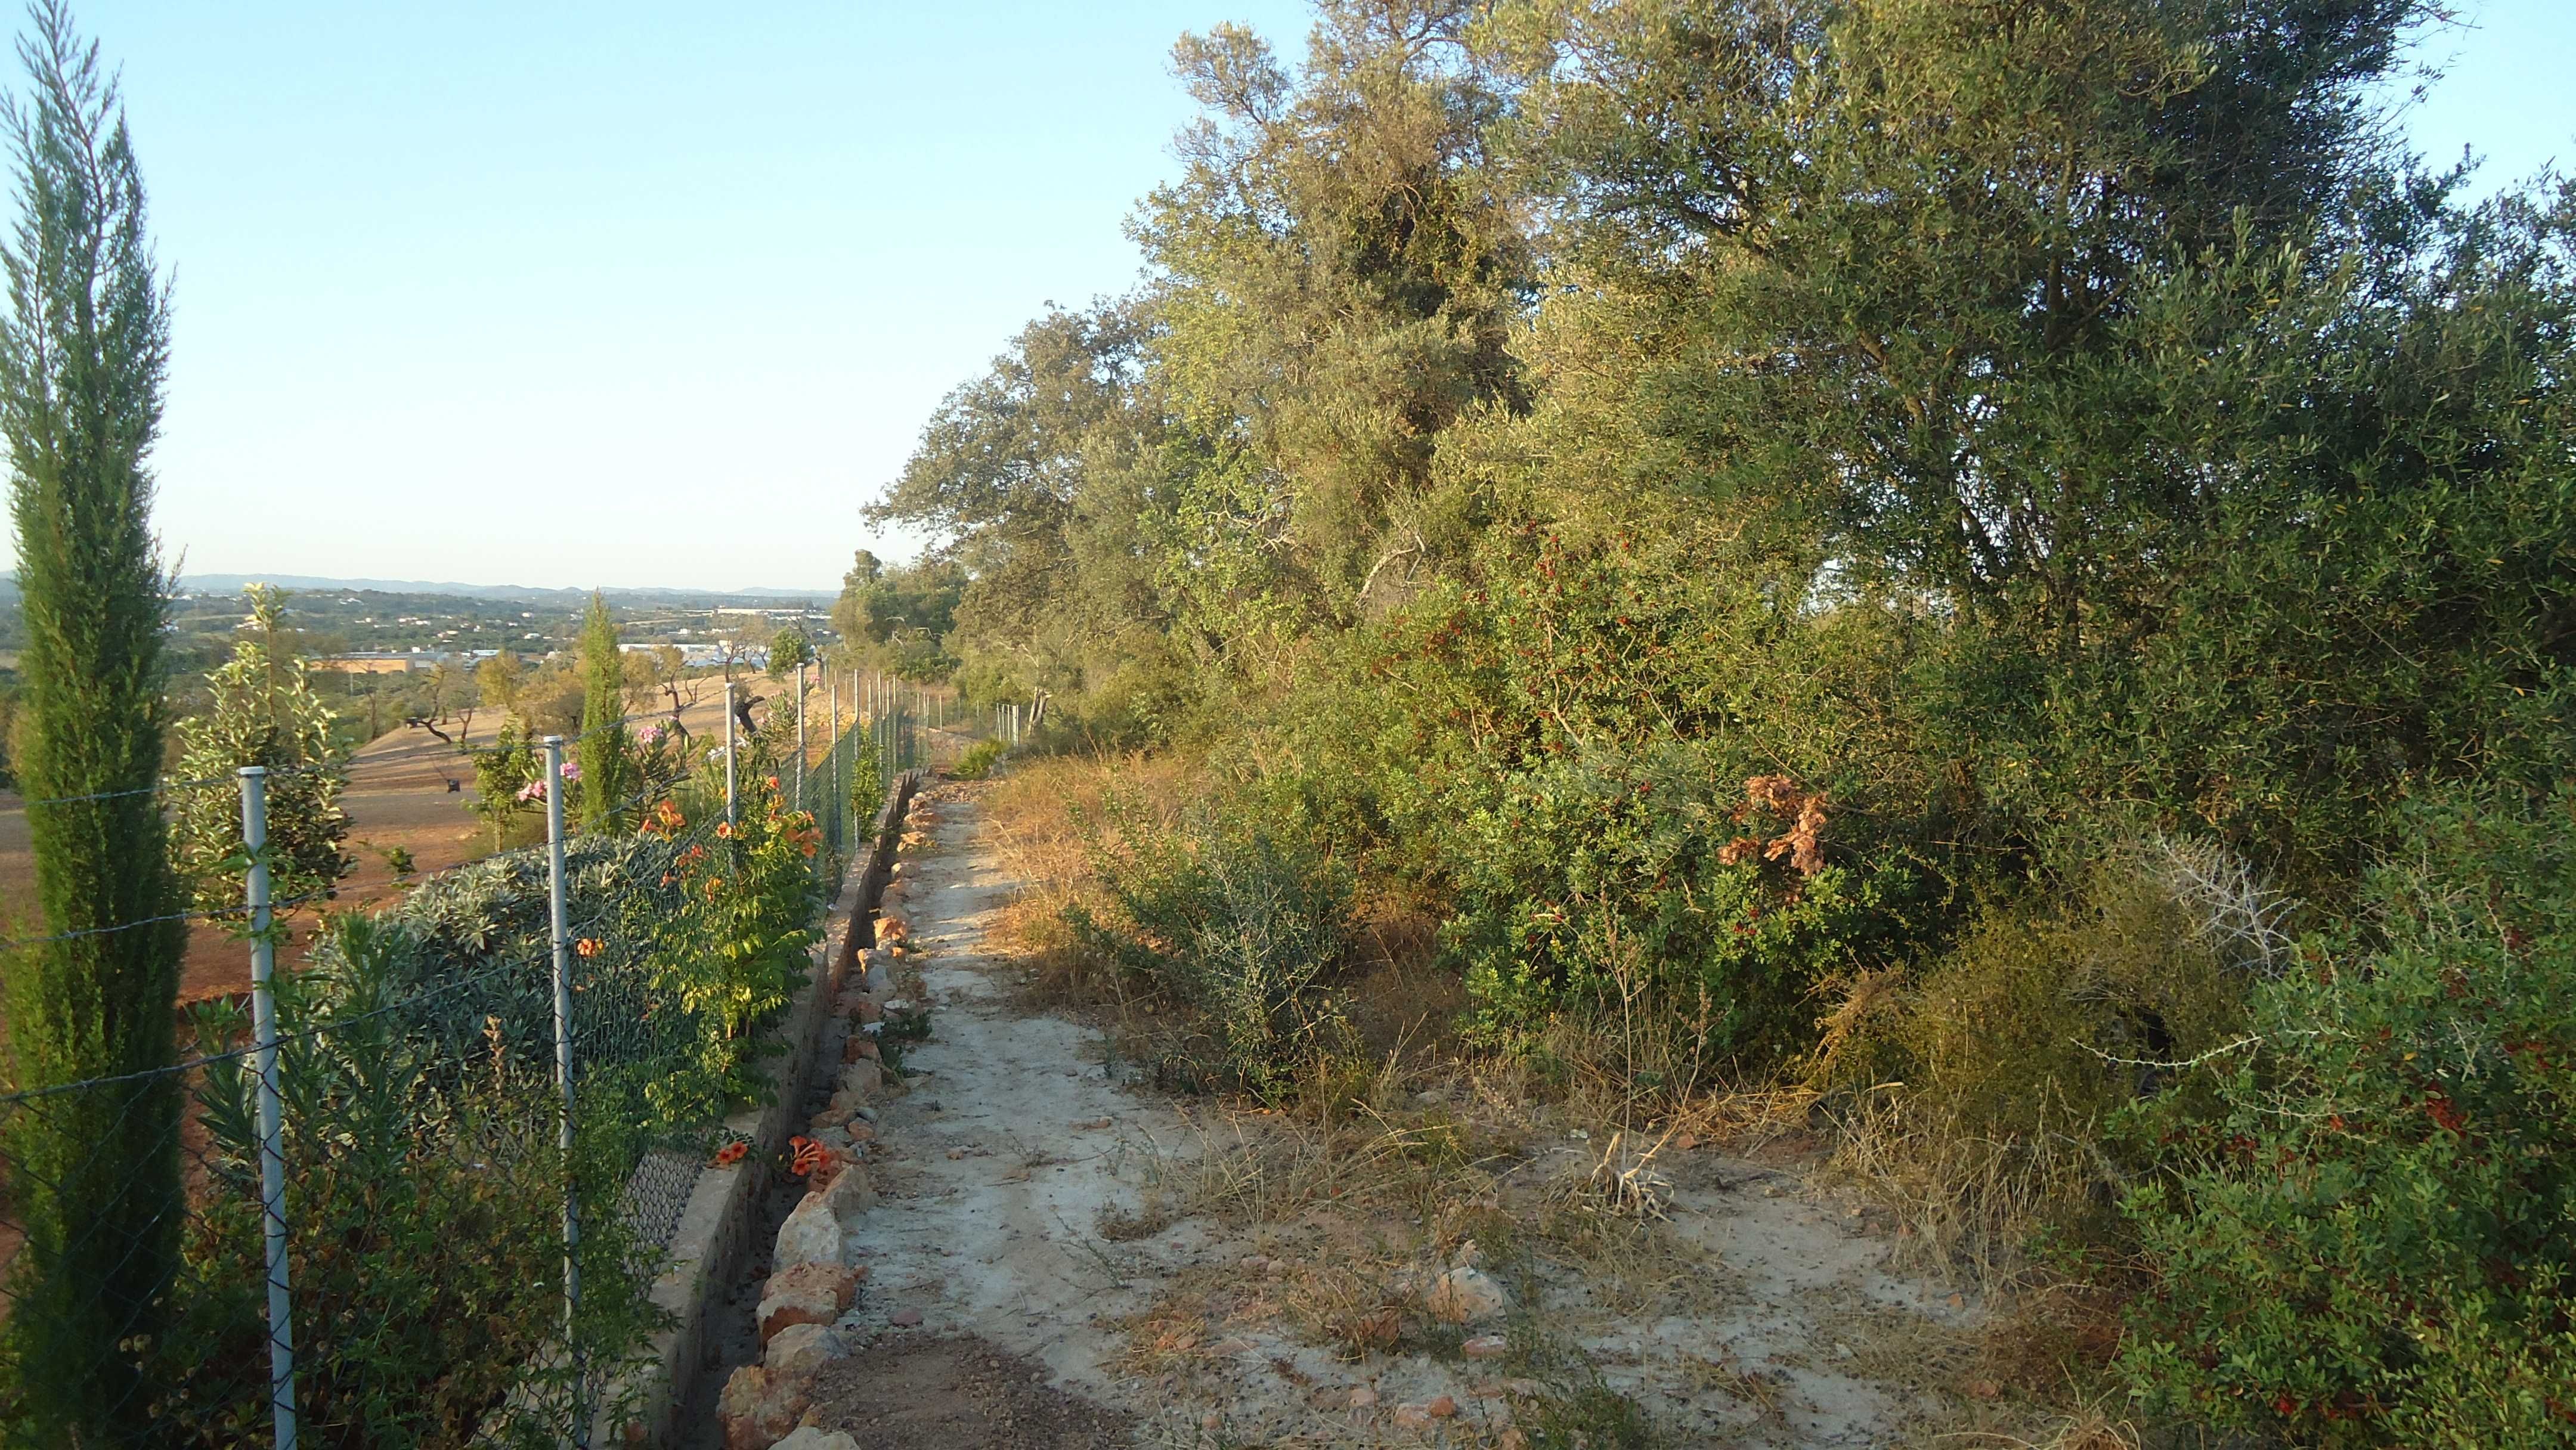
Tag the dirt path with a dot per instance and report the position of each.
(993, 1171)
(1049, 1263)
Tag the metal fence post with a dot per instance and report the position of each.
(729, 816)
(800, 735)
(563, 1070)
(272, 1124)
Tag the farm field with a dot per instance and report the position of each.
(408, 791)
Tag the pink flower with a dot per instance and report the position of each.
(649, 735)
(534, 790)
(572, 770)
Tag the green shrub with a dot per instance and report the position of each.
(1241, 922)
(750, 904)
(264, 711)
(1659, 857)
(425, 1185)
(867, 776)
(978, 761)
(2053, 1014)
(2373, 1242)
(424, 1205)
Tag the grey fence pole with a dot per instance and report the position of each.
(800, 735)
(729, 816)
(272, 1114)
(563, 1070)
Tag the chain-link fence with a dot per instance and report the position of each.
(415, 1195)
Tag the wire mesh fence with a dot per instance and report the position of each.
(492, 1099)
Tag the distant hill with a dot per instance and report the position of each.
(232, 583)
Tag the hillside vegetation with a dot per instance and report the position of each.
(2009, 565)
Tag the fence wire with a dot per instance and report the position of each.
(425, 1180)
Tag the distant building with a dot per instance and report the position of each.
(373, 662)
(701, 656)
(391, 662)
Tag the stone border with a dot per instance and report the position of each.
(714, 1239)
(806, 1317)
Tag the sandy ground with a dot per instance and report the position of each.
(1772, 1321)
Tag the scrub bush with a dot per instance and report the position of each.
(1243, 922)
(978, 760)
(2373, 1240)
(1728, 889)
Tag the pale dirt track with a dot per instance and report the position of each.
(1017, 1137)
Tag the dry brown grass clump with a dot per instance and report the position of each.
(1039, 817)
(1971, 1201)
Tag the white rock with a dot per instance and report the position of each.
(849, 1195)
(804, 1348)
(811, 1235)
(1466, 1294)
(863, 1077)
(809, 1438)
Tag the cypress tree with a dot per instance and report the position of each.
(605, 764)
(94, 1171)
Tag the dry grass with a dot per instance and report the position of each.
(1254, 1168)
(1764, 1393)
(1358, 1208)
(1971, 1203)
(1629, 1270)
(1151, 1215)
(1624, 1180)
(2087, 1427)
(1036, 817)
(1348, 1290)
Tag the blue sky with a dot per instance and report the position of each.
(638, 293)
